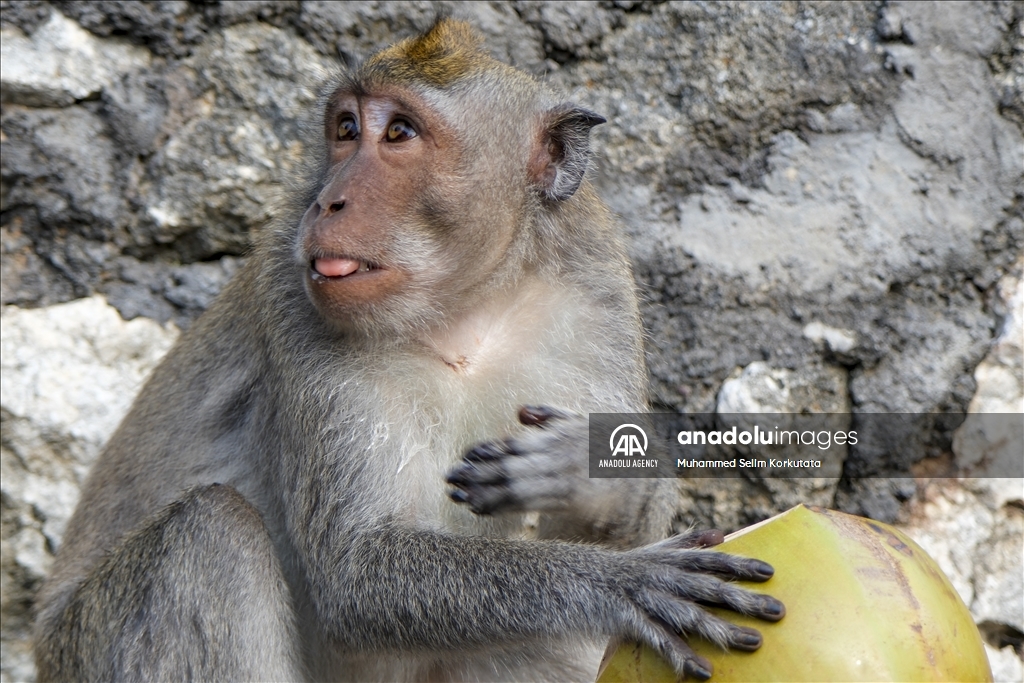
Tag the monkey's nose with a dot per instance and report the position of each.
(334, 207)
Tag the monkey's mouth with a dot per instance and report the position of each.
(341, 285)
(337, 268)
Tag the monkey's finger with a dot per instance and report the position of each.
(694, 538)
(539, 415)
(488, 500)
(459, 496)
(686, 617)
(720, 564)
(488, 450)
(763, 607)
(476, 473)
(494, 450)
(669, 645)
(479, 503)
(711, 591)
(747, 602)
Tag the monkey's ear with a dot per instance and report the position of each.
(563, 150)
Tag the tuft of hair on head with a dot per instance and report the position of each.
(448, 52)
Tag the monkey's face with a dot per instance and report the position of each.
(394, 237)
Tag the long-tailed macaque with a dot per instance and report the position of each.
(329, 477)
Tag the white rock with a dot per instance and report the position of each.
(69, 373)
(30, 553)
(950, 525)
(1006, 665)
(758, 389)
(62, 62)
(983, 441)
(999, 573)
(75, 367)
(840, 341)
(1000, 376)
(976, 540)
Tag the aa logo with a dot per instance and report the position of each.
(629, 442)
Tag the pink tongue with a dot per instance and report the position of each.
(335, 267)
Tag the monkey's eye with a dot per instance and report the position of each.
(400, 130)
(348, 129)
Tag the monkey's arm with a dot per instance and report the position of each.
(399, 588)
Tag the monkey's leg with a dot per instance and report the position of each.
(196, 593)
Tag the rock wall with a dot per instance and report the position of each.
(826, 205)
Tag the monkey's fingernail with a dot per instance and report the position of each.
(534, 415)
(484, 452)
(763, 568)
(459, 475)
(698, 667)
(459, 496)
(747, 639)
(773, 609)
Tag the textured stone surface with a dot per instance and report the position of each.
(975, 529)
(69, 373)
(827, 195)
(62, 63)
(759, 388)
(976, 534)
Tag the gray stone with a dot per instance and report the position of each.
(983, 444)
(220, 171)
(195, 286)
(167, 27)
(61, 63)
(571, 30)
(761, 389)
(164, 292)
(1000, 376)
(62, 164)
(27, 15)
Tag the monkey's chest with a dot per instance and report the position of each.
(465, 389)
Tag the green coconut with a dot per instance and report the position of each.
(863, 603)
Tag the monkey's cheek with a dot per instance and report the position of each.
(341, 298)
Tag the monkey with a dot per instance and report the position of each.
(367, 459)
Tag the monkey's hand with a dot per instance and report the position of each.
(542, 468)
(663, 587)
